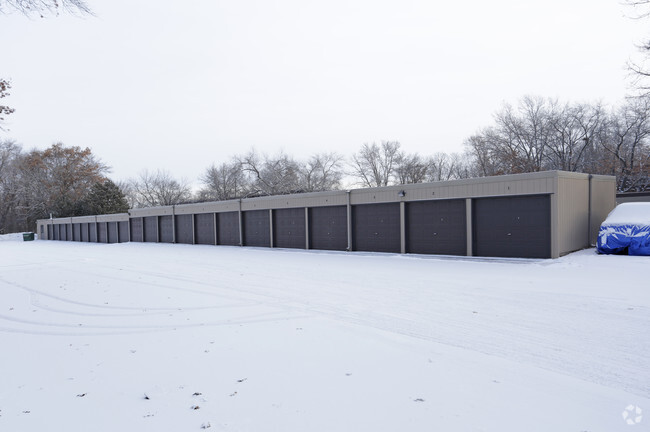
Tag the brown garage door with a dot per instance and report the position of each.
(166, 224)
(151, 229)
(289, 228)
(257, 228)
(228, 228)
(328, 228)
(376, 227)
(112, 233)
(136, 230)
(436, 227)
(184, 229)
(512, 226)
(204, 227)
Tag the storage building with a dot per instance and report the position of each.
(535, 215)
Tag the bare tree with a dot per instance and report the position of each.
(10, 154)
(627, 143)
(223, 182)
(374, 164)
(271, 175)
(485, 150)
(129, 193)
(253, 174)
(5, 85)
(411, 168)
(159, 189)
(461, 166)
(524, 133)
(45, 7)
(639, 69)
(574, 129)
(537, 134)
(322, 172)
(441, 167)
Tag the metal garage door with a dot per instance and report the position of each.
(204, 227)
(68, 232)
(55, 232)
(289, 228)
(76, 232)
(436, 227)
(123, 231)
(166, 229)
(184, 229)
(228, 228)
(512, 226)
(112, 232)
(103, 235)
(50, 232)
(136, 229)
(376, 227)
(151, 229)
(84, 232)
(92, 232)
(256, 228)
(328, 228)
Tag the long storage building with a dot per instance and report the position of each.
(535, 215)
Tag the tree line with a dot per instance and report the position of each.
(537, 134)
(543, 134)
(253, 174)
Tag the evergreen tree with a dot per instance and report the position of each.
(105, 198)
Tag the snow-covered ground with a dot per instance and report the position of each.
(152, 337)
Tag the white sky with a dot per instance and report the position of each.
(179, 85)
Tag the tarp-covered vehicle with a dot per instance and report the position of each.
(626, 230)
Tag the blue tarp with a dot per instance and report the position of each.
(613, 239)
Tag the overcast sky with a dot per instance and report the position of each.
(179, 85)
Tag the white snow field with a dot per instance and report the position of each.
(153, 337)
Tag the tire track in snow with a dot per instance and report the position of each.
(455, 331)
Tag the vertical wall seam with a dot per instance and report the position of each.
(469, 226)
(307, 228)
(402, 227)
(349, 221)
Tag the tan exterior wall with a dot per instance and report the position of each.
(583, 203)
(573, 213)
(603, 201)
(517, 184)
(151, 211)
(120, 217)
